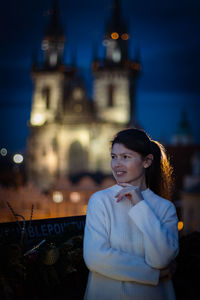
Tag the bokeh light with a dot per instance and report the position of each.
(180, 225)
(75, 197)
(37, 119)
(3, 151)
(57, 197)
(114, 35)
(18, 158)
(125, 36)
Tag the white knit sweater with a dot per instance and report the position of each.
(125, 246)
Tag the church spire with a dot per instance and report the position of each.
(54, 39)
(54, 28)
(116, 13)
(116, 37)
(183, 134)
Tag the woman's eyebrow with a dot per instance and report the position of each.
(124, 153)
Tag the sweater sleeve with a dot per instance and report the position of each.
(160, 235)
(101, 258)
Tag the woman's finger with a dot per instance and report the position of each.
(124, 194)
(121, 193)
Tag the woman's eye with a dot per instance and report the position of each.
(112, 156)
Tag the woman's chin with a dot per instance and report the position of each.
(120, 181)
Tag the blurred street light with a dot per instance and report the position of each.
(18, 158)
(75, 197)
(3, 151)
(180, 225)
(57, 197)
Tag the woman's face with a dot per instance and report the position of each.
(128, 166)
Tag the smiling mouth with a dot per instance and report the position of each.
(120, 173)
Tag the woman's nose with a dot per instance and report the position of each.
(118, 163)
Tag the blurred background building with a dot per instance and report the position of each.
(68, 130)
(67, 156)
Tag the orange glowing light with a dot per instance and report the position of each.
(75, 197)
(95, 65)
(135, 66)
(125, 36)
(114, 35)
(180, 225)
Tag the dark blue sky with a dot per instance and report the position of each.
(167, 33)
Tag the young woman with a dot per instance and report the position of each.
(131, 233)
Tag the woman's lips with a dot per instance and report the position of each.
(120, 173)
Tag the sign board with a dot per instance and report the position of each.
(37, 229)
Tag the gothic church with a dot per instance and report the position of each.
(69, 133)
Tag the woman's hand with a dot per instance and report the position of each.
(169, 271)
(165, 273)
(133, 193)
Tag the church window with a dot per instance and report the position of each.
(110, 95)
(78, 158)
(78, 93)
(78, 108)
(53, 59)
(54, 144)
(116, 55)
(46, 96)
(45, 45)
(44, 153)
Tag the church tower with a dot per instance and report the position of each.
(61, 113)
(183, 134)
(53, 42)
(116, 74)
(69, 133)
(48, 78)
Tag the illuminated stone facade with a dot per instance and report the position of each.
(64, 200)
(69, 133)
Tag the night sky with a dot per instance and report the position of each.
(166, 32)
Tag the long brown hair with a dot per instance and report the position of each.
(159, 176)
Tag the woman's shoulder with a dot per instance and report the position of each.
(159, 201)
